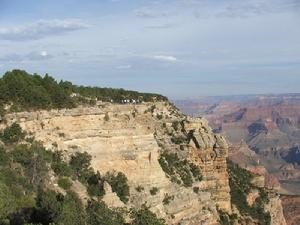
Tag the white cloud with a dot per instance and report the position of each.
(32, 56)
(124, 67)
(41, 29)
(44, 53)
(166, 58)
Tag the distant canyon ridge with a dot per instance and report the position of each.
(263, 131)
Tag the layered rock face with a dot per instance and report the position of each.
(130, 139)
(291, 208)
(209, 152)
(262, 130)
(276, 210)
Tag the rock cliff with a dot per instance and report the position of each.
(138, 140)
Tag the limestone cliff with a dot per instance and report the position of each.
(136, 139)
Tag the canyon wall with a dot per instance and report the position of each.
(131, 139)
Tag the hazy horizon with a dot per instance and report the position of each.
(180, 48)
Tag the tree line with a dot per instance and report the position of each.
(31, 91)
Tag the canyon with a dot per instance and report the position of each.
(137, 139)
(263, 134)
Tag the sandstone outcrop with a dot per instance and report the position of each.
(125, 138)
(131, 138)
(276, 210)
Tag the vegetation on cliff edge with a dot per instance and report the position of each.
(240, 187)
(178, 170)
(28, 195)
(25, 92)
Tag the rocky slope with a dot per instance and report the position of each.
(291, 205)
(262, 131)
(268, 125)
(139, 140)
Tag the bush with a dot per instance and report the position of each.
(227, 219)
(4, 158)
(7, 202)
(240, 185)
(72, 211)
(139, 188)
(159, 116)
(178, 140)
(196, 190)
(180, 171)
(48, 207)
(175, 125)
(144, 216)
(2, 111)
(12, 134)
(196, 172)
(95, 185)
(153, 191)
(23, 155)
(60, 167)
(64, 183)
(167, 199)
(80, 162)
(119, 185)
(24, 198)
(99, 214)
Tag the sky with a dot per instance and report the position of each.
(179, 48)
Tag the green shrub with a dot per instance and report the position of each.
(176, 125)
(23, 155)
(12, 134)
(95, 185)
(196, 172)
(7, 202)
(153, 191)
(240, 186)
(118, 183)
(80, 162)
(24, 198)
(61, 168)
(48, 206)
(15, 180)
(227, 219)
(144, 216)
(72, 211)
(139, 188)
(196, 190)
(2, 111)
(58, 165)
(4, 157)
(159, 116)
(153, 107)
(178, 140)
(64, 183)
(35, 160)
(99, 214)
(167, 199)
(179, 171)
